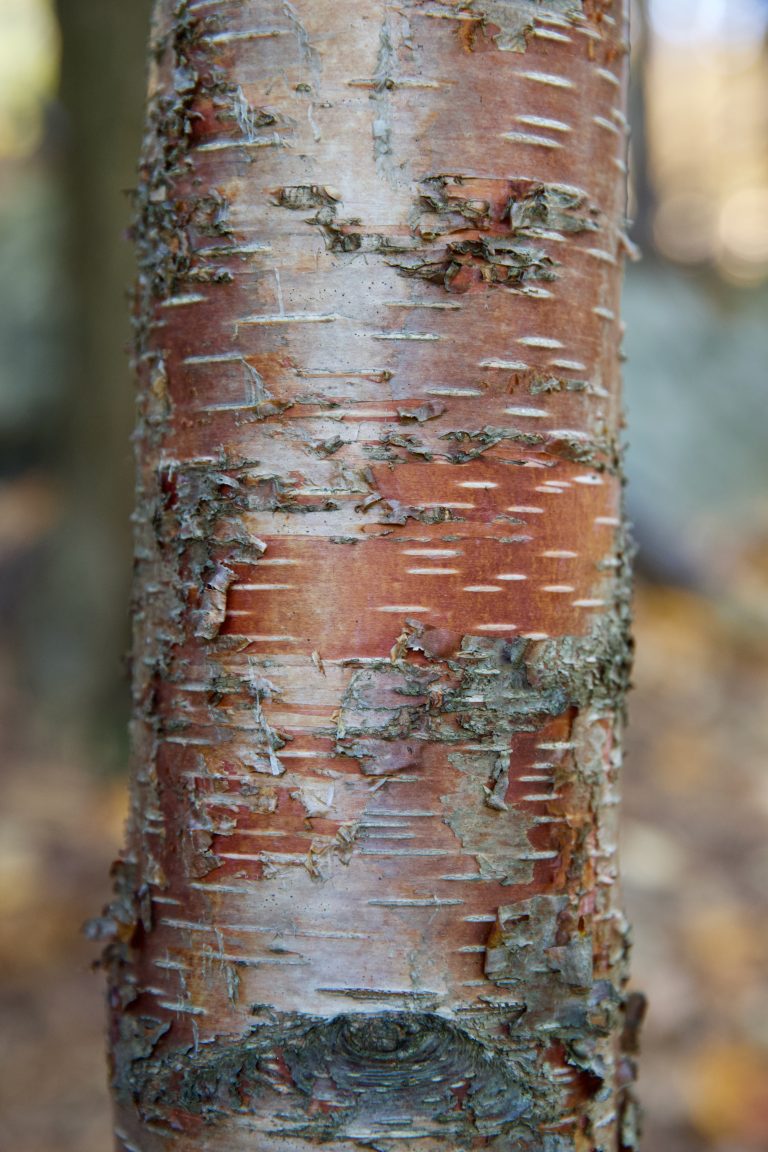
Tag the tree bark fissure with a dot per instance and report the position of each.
(369, 895)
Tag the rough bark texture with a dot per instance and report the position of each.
(369, 896)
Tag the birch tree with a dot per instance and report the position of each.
(369, 893)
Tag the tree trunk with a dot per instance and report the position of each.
(369, 897)
(78, 638)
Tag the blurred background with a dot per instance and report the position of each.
(695, 845)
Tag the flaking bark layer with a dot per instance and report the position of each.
(369, 893)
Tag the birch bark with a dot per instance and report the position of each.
(369, 895)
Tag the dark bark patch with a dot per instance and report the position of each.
(491, 260)
(303, 197)
(414, 1064)
(329, 1074)
(553, 207)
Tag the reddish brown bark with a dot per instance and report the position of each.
(369, 894)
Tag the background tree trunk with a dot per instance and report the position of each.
(77, 639)
(369, 897)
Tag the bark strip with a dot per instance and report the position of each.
(369, 894)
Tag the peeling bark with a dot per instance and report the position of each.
(369, 894)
